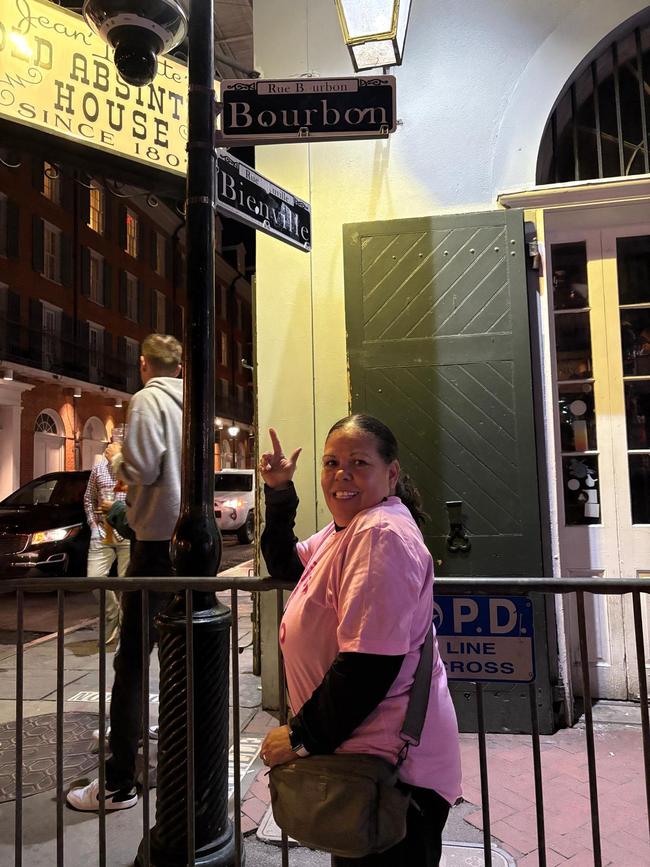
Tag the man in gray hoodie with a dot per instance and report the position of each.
(149, 462)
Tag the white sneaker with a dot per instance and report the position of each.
(87, 798)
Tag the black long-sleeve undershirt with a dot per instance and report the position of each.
(356, 683)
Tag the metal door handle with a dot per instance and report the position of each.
(457, 540)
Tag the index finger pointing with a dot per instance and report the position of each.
(277, 448)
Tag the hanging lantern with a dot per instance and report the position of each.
(374, 31)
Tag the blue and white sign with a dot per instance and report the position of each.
(486, 638)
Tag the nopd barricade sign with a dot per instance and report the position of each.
(485, 638)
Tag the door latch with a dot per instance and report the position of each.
(457, 540)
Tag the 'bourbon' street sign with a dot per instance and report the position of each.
(260, 111)
(249, 197)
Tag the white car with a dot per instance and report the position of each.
(234, 503)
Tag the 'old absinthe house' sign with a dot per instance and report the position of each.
(58, 76)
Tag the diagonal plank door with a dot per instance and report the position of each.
(438, 342)
(439, 349)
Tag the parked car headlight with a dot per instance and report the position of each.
(57, 535)
(232, 504)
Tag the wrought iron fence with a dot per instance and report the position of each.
(186, 586)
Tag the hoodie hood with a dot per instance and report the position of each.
(169, 385)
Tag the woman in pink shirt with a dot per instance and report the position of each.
(355, 623)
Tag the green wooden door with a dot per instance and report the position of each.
(439, 349)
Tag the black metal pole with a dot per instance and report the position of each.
(192, 825)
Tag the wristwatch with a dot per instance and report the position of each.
(296, 744)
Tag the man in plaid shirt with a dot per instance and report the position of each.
(106, 544)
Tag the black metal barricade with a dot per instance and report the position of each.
(185, 586)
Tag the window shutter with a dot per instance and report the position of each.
(178, 322)
(153, 249)
(82, 340)
(142, 253)
(67, 264)
(85, 271)
(108, 214)
(37, 244)
(123, 369)
(13, 307)
(109, 360)
(169, 316)
(35, 331)
(37, 174)
(108, 283)
(169, 264)
(121, 211)
(84, 203)
(13, 229)
(14, 329)
(141, 299)
(67, 336)
(121, 301)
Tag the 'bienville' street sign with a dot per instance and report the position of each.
(486, 638)
(261, 111)
(247, 196)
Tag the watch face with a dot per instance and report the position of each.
(294, 740)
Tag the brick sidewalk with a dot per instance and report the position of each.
(621, 791)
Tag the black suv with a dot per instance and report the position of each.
(43, 528)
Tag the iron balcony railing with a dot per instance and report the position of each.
(460, 586)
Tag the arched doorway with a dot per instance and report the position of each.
(93, 443)
(49, 443)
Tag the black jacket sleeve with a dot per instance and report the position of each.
(354, 686)
(278, 540)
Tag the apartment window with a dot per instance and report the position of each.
(159, 311)
(95, 350)
(131, 233)
(225, 390)
(160, 254)
(223, 295)
(51, 345)
(96, 280)
(240, 394)
(51, 253)
(132, 365)
(96, 209)
(238, 313)
(131, 297)
(3, 225)
(51, 183)
(223, 355)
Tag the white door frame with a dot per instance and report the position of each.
(588, 204)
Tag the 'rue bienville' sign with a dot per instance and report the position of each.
(251, 198)
(265, 111)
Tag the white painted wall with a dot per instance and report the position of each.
(478, 83)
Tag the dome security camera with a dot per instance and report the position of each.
(138, 30)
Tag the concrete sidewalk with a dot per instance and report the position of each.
(619, 757)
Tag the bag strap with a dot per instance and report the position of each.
(418, 699)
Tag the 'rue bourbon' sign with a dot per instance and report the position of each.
(264, 111)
